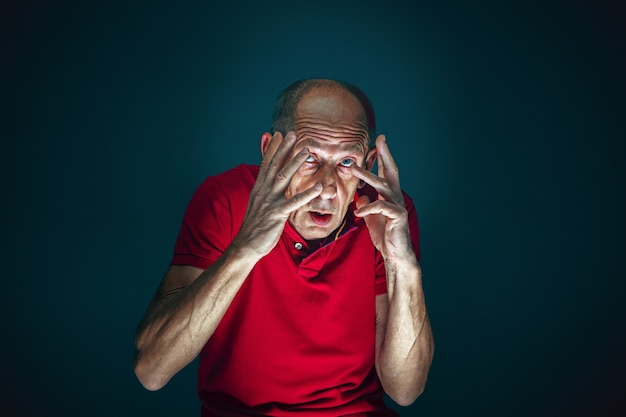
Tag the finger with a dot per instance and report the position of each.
(381, 164)
(274, 158)
(385, 208)
(362, 201)
(278, 159)
(284, 176)
(277, 138)
(366, 176)
(380, 184)
(386, 162)
(301, 199)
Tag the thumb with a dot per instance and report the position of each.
(362, 201)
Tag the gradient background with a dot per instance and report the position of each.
(507, 123)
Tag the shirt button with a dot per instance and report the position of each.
(298, 245)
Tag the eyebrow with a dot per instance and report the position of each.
(356, 145)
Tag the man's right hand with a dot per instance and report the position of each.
(268, 208)
(190, 302)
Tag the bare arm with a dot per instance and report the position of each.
(404, 341)
(184, 314)
(190, 303)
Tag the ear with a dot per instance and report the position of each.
(266, 138)
(370, 159)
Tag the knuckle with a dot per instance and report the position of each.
(299, 199)
(295, 201)
(281, 176)
(272, 212)
(272, 165)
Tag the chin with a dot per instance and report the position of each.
(313, 232)
(317, 234)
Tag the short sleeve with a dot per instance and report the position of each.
(213, 217)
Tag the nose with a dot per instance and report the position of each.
(327, 177)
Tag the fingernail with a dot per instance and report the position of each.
(304, 151)
(290, 135)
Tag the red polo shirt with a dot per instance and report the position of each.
(299, 336)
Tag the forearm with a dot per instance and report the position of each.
(177, 326)
(407, 345)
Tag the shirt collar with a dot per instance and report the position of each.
(301, 248)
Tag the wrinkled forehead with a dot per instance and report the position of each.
(313, 131)
(332, 116)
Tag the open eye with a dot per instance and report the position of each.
(310, 159)
(347, 162)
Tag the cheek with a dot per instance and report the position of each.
(348, 188)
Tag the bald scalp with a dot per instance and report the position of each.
(283, 116)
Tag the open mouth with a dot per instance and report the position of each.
(321, 219)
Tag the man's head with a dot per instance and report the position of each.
(334, 121)
(288, 99)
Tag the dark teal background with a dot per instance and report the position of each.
(507, 122)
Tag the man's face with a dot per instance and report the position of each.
(331, 124)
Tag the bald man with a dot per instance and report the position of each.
(298, 281)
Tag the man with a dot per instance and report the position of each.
(297, 282)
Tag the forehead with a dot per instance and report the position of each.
(332, 104)
(331, 115)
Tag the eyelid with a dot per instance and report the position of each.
(351, 159)
(312, 158)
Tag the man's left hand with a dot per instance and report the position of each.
(386, 218)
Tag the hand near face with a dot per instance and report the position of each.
(268, 208)
(387, 217)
